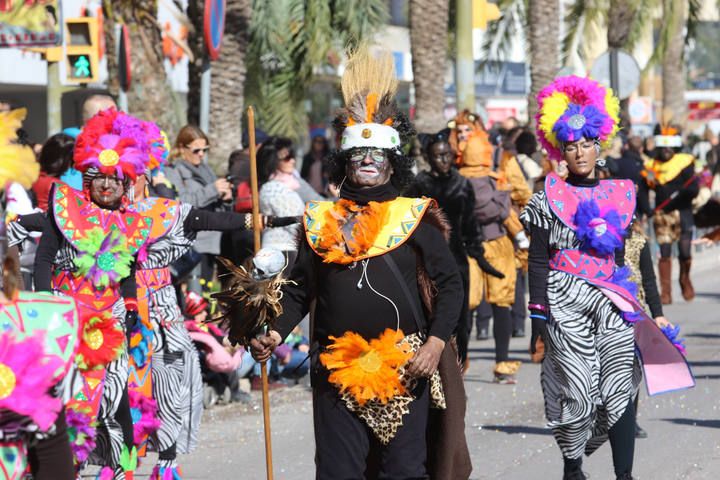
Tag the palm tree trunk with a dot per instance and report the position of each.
(149, 97)
(228, 83)
(621, 16)
(543, 28)
(673, 65)
(428, 44)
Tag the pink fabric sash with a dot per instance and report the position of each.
(665, 368)
(564, 198)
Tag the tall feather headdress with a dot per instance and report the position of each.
(370, 116)
(571, 108)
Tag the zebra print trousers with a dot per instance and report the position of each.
(176, 375)
(590, 372)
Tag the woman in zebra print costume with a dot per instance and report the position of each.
(579, 296)
(176, 377)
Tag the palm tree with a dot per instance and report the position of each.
(543, 28)
(228, 82)
(541, 20)
(673, 66)
(626, 20)
(428, 43)
(149, 96)
(290, 40)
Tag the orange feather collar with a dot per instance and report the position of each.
(369, 220)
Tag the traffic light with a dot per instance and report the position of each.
(81, 50)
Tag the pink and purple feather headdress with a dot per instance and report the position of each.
(571, 108)
(116, 143)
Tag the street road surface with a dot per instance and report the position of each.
(505, 424)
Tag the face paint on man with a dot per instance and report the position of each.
(440, 158)
(665, 153)
(107, 191)
(368, 167)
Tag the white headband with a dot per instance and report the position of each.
(671, 141)
(373, 135)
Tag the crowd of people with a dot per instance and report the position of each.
(129, 227)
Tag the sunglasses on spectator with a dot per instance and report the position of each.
(198, 151)
(287, 157)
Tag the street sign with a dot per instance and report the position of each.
(214, 27)
(30, 23)
(626, 70)
(641, 110)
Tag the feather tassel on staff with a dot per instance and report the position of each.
(251, 304)
(248, 305)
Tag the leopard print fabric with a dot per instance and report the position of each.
(385, 419)
(667, 226)
(633, 246)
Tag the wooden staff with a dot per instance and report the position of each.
(257, 227)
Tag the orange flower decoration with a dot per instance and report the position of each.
(367, 371)
(101, 341)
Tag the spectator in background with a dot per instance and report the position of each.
(197, 185)
(313, 165)
(96, 103)
(704, 151)
(239, 169)
(649, 146)
(631, 162)
(525, 145)
(56, 157)
(286, 172)
(279, 195)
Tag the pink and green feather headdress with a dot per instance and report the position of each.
(571, 108)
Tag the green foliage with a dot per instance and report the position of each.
(497, 42)
(290, 40)
(583, 13)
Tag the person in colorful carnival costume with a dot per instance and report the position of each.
(580, 295)
(369, 260)
(87, 252)
(496, 189)
(175, 371)
(671, 174)
(455, 195)
(37, 346)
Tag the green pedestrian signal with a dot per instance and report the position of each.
(82, 67)
(81, 50)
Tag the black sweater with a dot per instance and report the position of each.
(456, 197)
(685, 195)
(345, 300)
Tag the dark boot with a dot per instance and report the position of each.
(665, 270)
(625, 476)
(688, 292)
(572, 469)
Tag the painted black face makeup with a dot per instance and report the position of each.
(107, 191)
(368, 167)
(440, 158)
